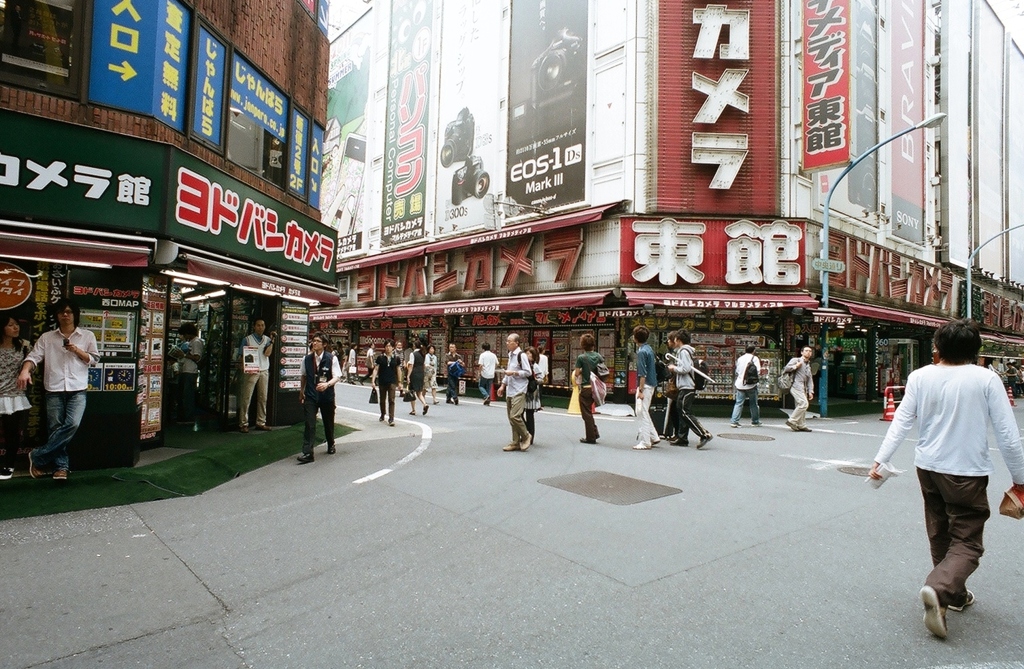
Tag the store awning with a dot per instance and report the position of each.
(72, 250)
(498, 304)
(346, 314)
(683, 299)
(260, 281)
(531, 227)
(893, 315)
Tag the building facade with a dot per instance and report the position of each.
(160, 164)
(589, 165)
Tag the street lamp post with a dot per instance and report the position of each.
(970, 263)
(929, 122)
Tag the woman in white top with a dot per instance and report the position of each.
(14, 404)
(951, 402)
(430, 373)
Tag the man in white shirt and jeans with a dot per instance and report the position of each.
(517, 378)
(68, 351)
(487, 363)
(950, 402)
(746, 388)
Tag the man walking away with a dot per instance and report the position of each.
(748, 373)
(517, 378)
(946, 401)
(683, 369)
(802, 389)
(487, 364)
(646, 380)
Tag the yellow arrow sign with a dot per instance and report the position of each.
(125, 68)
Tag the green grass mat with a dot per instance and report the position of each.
(219, 457)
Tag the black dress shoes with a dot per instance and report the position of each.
(330, 450)
(305, 459)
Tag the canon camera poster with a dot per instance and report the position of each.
(406, 127)
(547, 116)
(469, 116)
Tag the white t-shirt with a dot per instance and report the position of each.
(488, 363)
(543, 365)
(741, 370)
(951, 405)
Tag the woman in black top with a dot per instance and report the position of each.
(416, 374)
(387, 378)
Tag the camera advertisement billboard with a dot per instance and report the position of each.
(547, 116)
(406, 128)
(343, 186)
(469, 116)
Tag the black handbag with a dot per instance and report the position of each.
(373, 396)
(409, 396)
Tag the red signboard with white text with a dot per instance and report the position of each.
(684, 253)
(826, 100)
(717, 138)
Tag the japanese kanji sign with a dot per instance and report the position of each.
(140, 57)
(63, 172)
(208, 96)
(685, 253)
(257, 98)
(826, 90)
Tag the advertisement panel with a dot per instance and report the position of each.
(469, 117)
(908, 88)
(299, 153)
(253, 95)
(216, 212)
(862, 181)
(316, 143)
(140, 56)
(681, 253)
(547, 103)
(407, 126)
(957, 214)
(64, 172)
(1015, 162)
(988, 137)
(208, 108)
(342, 205)
(717, 146)
(39, 43)
(826, 73)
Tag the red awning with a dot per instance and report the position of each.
(346, 314)
(683, 299)
(72, 250)
(285, 287)
(533, 226)
(893, 315)
(498, 304)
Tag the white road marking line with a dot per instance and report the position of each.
(428, 434)
(821, 464)
(375, 475)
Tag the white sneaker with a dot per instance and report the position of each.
(967, 602)
(934, 615)
(642, 447)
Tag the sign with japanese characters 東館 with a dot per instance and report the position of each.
(62, 172)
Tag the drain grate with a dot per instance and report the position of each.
(611, 488)
(746, 437)
(856, 471)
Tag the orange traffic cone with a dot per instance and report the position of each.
(1009, 393)
(890, 407)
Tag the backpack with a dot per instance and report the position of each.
(531, 383)
(661, 371)
(752, 375)
(699, 382)
(785, 381)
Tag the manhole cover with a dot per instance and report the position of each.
(855, 471)
(611, 488)
(746, 437)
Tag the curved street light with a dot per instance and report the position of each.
(929, 122)
(970, 263)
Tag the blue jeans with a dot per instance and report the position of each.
(64, 413)
(485, 387)
(741, 397)
(452, 393)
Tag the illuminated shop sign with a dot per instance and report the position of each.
(211, 59)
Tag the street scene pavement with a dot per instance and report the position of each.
(426, 545)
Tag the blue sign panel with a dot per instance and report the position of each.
(257, 98)
(315, 164)
(323, 12)
(299, 153)
(208, 108)
(140, 57)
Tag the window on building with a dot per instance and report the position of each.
(40, 43)
(255, 148)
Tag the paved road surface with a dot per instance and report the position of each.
(425, 545)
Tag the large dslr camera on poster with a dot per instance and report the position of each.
(547, 123)
(470, 180)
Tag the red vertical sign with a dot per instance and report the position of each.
(826, 88)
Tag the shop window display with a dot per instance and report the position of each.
(40, 43)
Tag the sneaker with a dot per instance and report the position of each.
(382, 418)
(60, 475)
(6, 473)
(642, 447)
(734, 424)
(934, 614)
(756, 424)
(456, 401)
(391, 423)
(703, 441)
(511, 447)
(967, 602)
(487, 402)
(449, 401)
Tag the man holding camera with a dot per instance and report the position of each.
(68, 352)
(255, 374)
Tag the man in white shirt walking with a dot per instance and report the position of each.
(68, 351)
(950, 402)
(487, 364)
(517, 378)
(748, 374)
